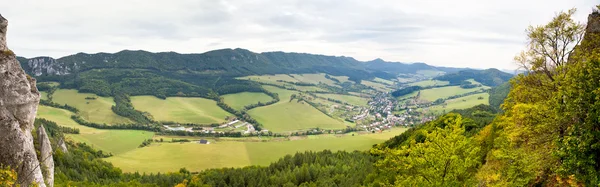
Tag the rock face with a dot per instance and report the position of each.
(47, 66)
(19, 100)
(46, 156)
(62, 146)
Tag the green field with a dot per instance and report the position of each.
(461, 103)
(270, 78)
(427, 83)
(445, 92)
(383, 81)
(290, 116)
(353, 100)
(181, 109)
(239, 100)
(430, 73)
(43, 95)
(315, 79)
(113, 141)
(342, 79)
(377, 86)
(165, 157)
(96, 110)
(308, 88)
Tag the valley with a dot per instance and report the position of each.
(293, 113)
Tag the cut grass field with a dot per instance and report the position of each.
(377, 86)
(181, 109)
(112, 141)
(43, 95)
(445, 92)
(383, 81)
(165, 157)
(239, 100)
(270, 78)
(353, 100)
(461, 103)
(287, 115)
(315, 79)
(94, 110)
(427, 83)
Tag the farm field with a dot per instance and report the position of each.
(353, 100)
(445, 92)
(376, 86)
(43, 95)
(342, 79)
(239, 100)
(94, 110)
(308, 88)
(181, 109)
(167, 157)
(269, 78)
(461, 103)
(430, 73)
(315, 79)
(383, 81)
(113, 141)
(289, 115)
(427, 83)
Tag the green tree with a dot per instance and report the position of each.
(445, 158)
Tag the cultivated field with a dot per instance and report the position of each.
(289, 115)
(113, 141)
(430, 73)
(383, 81)
(353, 100)
(94, 110)
(427, 83)
(445, 92)
(270, 78)
(461, 103)
(239, 100)
(342, 79)
(181, 109)
(43, 95)
(315, 79)
(376, 86)
(164, 157)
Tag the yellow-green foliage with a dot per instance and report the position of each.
(8, 177)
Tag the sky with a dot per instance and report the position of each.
(452, 33)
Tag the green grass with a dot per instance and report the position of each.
(353, 100)
(239, 100)
(181, 109)
(427, 83)
(270, 78)
(97, 110)
(308, 88)
(51, 83)
(43, 95)
(169, 157)
(408, 95)
(445, 92)
(113, 141)
(383, 81)
(461, 103)
(430, 73)
(289, 116)
(376, 86)
(315, 79)
(342, 79)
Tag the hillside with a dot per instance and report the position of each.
(489, 77)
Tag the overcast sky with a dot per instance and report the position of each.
(456, 33)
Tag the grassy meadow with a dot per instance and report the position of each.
(43, 95)
(376, 86)
(164, 157)
(287, 115)
(94, 110)
(239, 100)
(427, 83)
(445, 92)
(181, 109)
(461, 103)
(113, 141)
(353, 100)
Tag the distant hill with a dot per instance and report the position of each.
(489, 77)
(169, 73)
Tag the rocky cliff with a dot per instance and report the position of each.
(19, 100)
